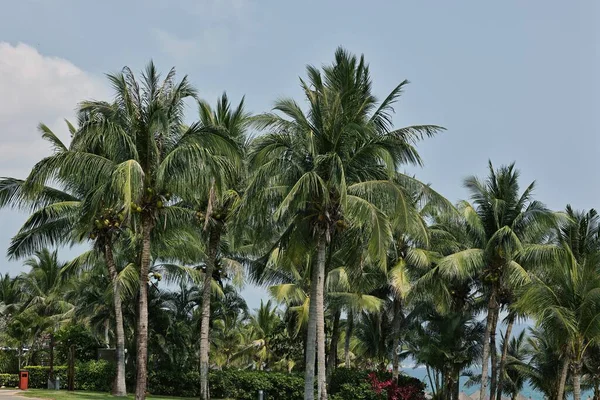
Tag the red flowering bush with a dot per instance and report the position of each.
(390, 390)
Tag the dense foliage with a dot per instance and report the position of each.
(366, 265)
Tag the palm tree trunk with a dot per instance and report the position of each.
(311, 337)
(349, 327)
(213, 247)
(494, 354)
(486, 344)
(577, 381)
(107, 326)
(332, 359)
(51, 370)
(434, 388)
(447, 379)
(596, 389)
(397, 307)
(511, 321)
(119, 387)
(320, 314)
(20, 355)
(142, 328)
(560, 395)
(456, 383)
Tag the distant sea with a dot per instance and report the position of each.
(527, 392)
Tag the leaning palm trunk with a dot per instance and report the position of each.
(486, 345)
(494, 354)
(511, 321)
(119, 387)
(320, 315)
(560, 395)
(311, 338)
(142, 331)
(349, 327)
(332, 358)
(213, 246)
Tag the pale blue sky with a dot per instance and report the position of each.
(511, 80)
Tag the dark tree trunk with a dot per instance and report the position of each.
(502, 368)
(119, 387)
(456, 383)
(492, 305)
(397, 322)
(51, 370)
(71, 369)
(332, 357)
(349, 328)
(142, 328)
(494, 354)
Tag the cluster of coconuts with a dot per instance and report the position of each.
(151, 199)
(342, 225)
(109, 219)
(218, 215)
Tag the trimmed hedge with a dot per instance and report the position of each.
(237, 384)
(9, 380)
(346, 384)
(92, 375)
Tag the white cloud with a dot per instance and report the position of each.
(36, 88)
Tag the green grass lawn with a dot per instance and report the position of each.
(64, 395)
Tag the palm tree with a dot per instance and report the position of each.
(43, 288)
(59, 217)
(564, 295)
(544, 370)
(499, 224)
(217, 208)
(139, 156)
(329, 168)
(517, 356)
(447, 343)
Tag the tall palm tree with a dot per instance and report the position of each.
(329, 167)
(564, 296)
(140, 158)
(500, 222)
(217, 208)
(59, 217)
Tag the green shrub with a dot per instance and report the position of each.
(240, 385)
(9, 380)
(38, 376)
(92, 375)
(346, 384)
(244, 385)
(355, 391)
(96, 376)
